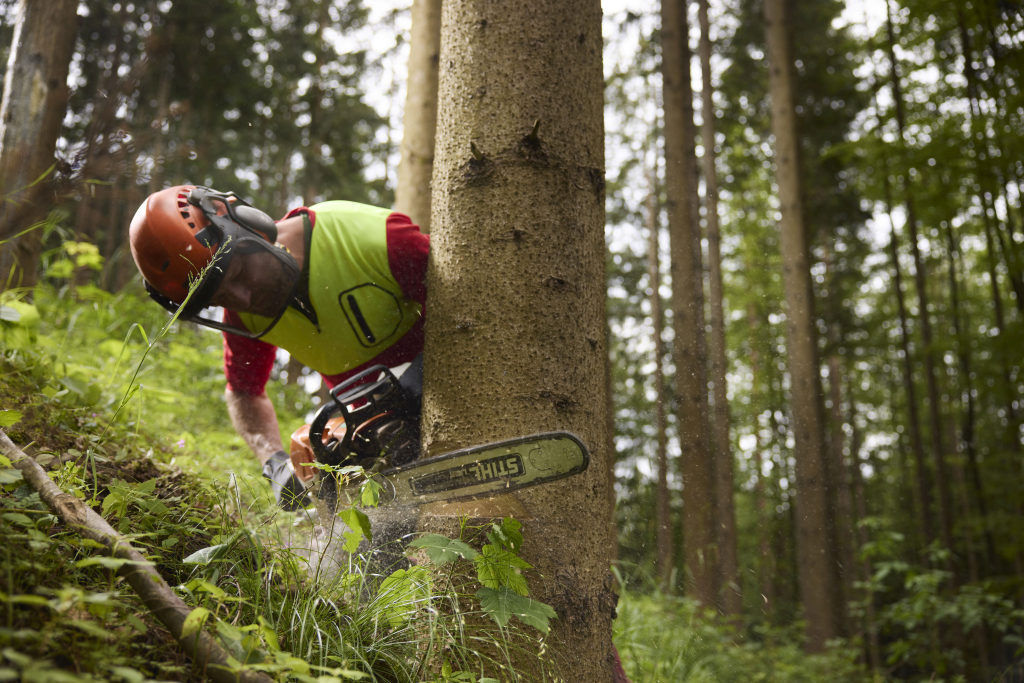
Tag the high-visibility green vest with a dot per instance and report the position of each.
(361, 309)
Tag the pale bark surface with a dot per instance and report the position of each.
(34, 100)
(725, 516)
(515, 338)
(690, 347)
(419, 121)
(817, 566)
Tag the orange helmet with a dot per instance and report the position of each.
(179, 231)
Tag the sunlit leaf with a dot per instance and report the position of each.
(441, 550)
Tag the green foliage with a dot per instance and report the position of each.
(667, 638)
(499, 570)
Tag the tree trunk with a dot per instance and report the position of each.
(662, 509)
(688, 306)
(766, 567)
(515, 339)
(34, 100)
(412, 195)
(725, 516)
(922, 489)
(945, 499)
(817, 565)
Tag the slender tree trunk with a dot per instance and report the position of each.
(688, 306)
(518, 216)
(864, 568)
(938, 448)
(817, 563)
(766, 567)
(35, 97)
(725, 516)
(662, 510)
(412, 195)
(967, 429)
(922, 489)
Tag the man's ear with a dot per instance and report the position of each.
(254, 219)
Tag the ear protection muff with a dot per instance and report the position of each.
(257, 221)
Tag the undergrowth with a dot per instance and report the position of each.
(148, 446)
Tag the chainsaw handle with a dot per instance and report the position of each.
(351, 391)
(316, 433)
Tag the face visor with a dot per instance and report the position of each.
(235, 230)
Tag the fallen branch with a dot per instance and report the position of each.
(140, 573)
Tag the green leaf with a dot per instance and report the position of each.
(206, 555)
(369, 494)
(108, 562)
(401, 593)
(498, 568)
(441, 550)
(19, 519)
(502, 604)
(359, 523)
(9, 417)
(194, 621)
(507, 534)
(10, 476)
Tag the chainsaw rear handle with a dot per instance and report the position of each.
(343, 396)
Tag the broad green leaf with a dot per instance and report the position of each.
(10, 476)
(359, 524)
(194, 621)
(108, 562)
(369, 494)
(205, 555)
(497, 567)
(9, 417)
(441, 550)
(401, 592)
(502, 604)
(507, 534)
(19, 519)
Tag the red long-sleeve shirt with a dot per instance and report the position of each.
(248, 362)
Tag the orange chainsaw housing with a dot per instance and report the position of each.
(302, 452)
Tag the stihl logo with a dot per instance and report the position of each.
(480, 472)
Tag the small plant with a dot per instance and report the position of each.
(503, 593)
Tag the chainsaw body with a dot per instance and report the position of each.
(369, 422)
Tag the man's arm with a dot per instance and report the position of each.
(256, 422)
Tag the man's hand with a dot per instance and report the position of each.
(288, 490)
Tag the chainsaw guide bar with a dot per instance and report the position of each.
(486, 470)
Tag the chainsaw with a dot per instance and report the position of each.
(367, 423)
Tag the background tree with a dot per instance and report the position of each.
(412, 193)
(690, 346)
(815, 538)
(35, 96)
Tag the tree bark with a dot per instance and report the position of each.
(139, 572)
(731, 598)
(412, 194)
(34, 100)
(662, 510)
(690, 346)
(814, 512)
(945, 499)
(515, 339)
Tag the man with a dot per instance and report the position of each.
(339, 285)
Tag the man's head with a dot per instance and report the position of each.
(187, 235)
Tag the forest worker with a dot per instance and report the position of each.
(339, 285)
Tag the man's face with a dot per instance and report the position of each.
(255, 282)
